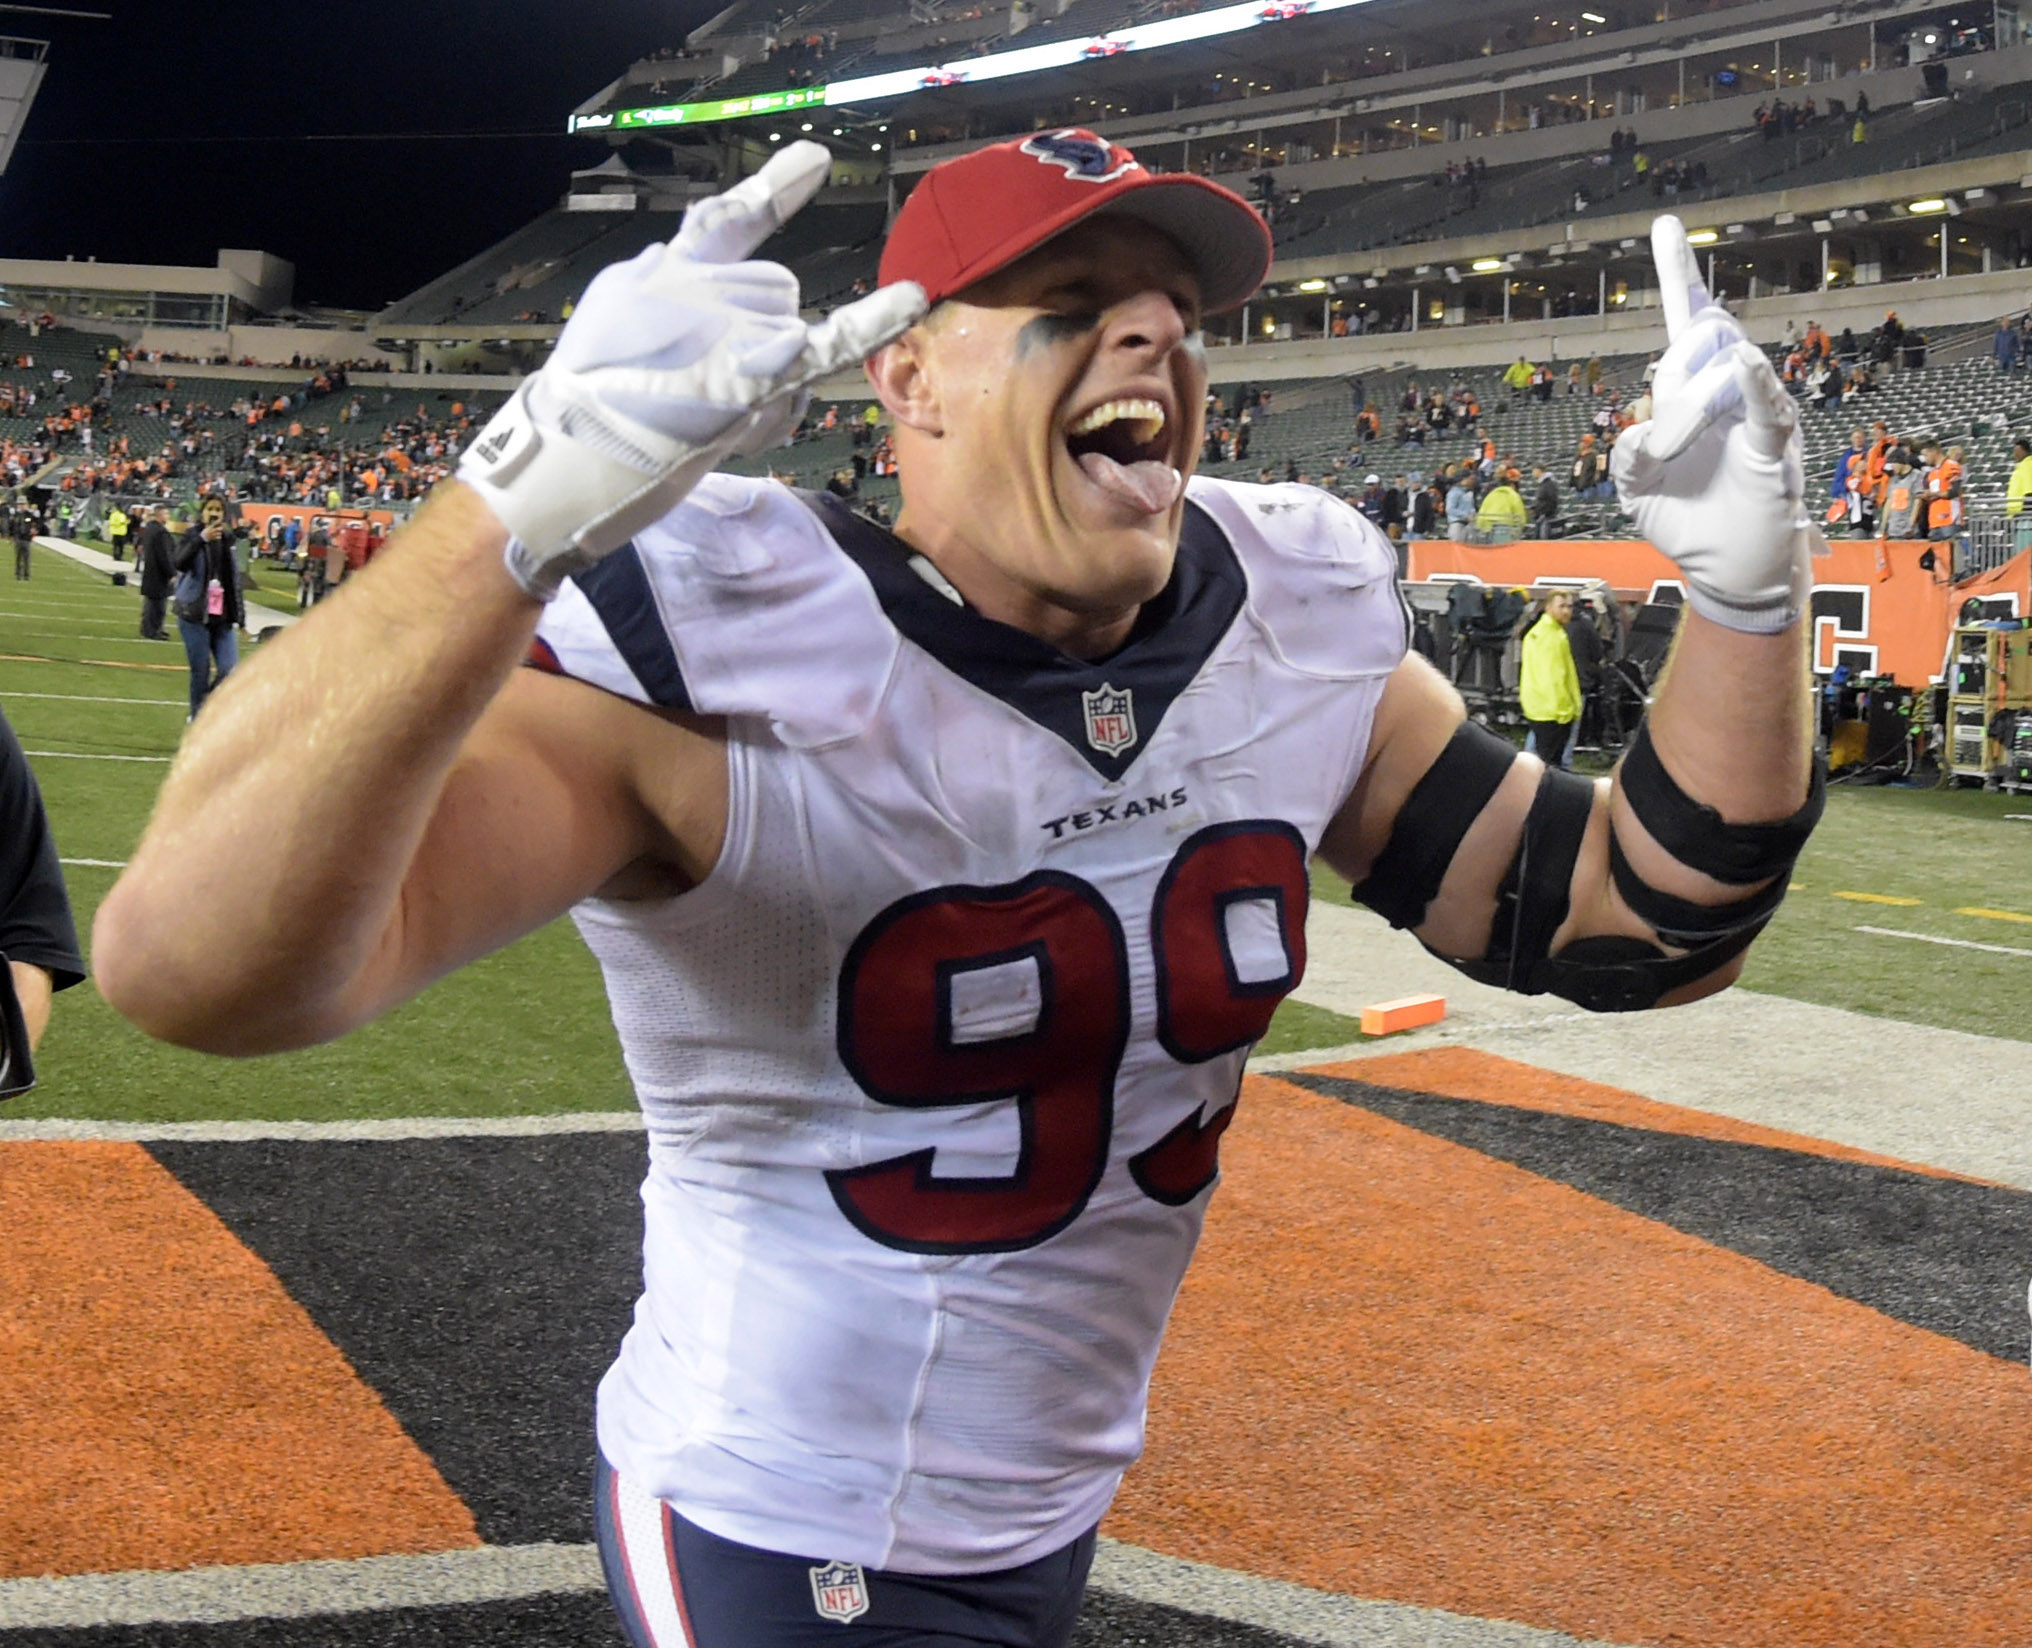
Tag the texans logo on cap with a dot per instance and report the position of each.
(980, 212)
(1084, 156)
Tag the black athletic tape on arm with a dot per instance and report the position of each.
(1537, 889)
(1694, 833)
(1429, 827)
(1553, 831)
(1683, 923)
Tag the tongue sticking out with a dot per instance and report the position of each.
(1149, 486)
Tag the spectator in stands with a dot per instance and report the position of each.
(1544, 500)
(1460, 508)
(155, 555)
(1370, 502)
(1890, 337)
(1944, 473)
(1847, 486)
(1396, 509)
(1903, 514)
(2017, 490)
(1428, 509)
(209, 610)
(1518, 375)
(1590, 469)
(2007, 347)
(1502, 516)
(1548, 684)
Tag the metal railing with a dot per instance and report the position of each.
(1991, 538)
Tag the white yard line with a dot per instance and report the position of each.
(81, 755)
(1298, 1610)
(291, 1590)
(387, 1128)
(88, 698)
(1935, 938)
(97, 863)
(502, 1573)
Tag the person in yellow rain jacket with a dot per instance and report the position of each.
(1502, 514)
(1548, 685)
(2018, 490)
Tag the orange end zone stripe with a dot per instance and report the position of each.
(166, 1404)
(1401, 1369)
(1469, 1073)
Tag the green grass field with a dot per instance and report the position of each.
(527, 1032)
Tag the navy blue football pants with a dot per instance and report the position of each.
(677, 1586)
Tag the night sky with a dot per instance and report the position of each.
(122, 158)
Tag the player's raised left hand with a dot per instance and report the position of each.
(672, 361)
(1716, 478)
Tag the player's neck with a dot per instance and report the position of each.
(992, 593)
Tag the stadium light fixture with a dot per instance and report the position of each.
(775, 137)
(1926, 208)
(1703, 237)
(1592, 17)
(1486, 266)
(1134, 37)
(1312, 286)
(805, 127)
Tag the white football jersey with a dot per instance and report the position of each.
(937, 1060)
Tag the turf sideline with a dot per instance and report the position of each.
(60, 1129)
(259, 617)
(499, 1573)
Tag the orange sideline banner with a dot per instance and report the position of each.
(257, 516)
(1875, 608)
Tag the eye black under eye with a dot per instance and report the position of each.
(1043, 331)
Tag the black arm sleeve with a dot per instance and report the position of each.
(35, 908)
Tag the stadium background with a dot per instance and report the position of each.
(1523, 1329)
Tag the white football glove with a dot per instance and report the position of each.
(671, 362)
(1716, 479)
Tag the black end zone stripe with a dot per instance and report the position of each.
(1944, 1255)
(619, 591)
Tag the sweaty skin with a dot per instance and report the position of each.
(981, 395)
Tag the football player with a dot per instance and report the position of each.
(942, 877)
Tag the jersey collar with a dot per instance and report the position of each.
(1106, 711)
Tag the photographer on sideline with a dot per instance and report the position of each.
(209, 611)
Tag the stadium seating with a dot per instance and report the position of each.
(552, 261)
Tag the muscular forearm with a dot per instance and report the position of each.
(274, 862)
(32, 989)
(1731, 722)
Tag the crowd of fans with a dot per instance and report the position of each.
(1891, 486)
(315, 442)
(1827, 372)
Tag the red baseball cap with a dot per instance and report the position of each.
(980, 212)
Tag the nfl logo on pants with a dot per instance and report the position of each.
(840, 1591)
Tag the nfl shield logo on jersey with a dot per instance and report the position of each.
(840, 1591)
(1111, 718)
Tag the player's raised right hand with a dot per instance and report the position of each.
(672, 361)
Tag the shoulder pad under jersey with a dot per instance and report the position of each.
(1322, 578)
(735, 603)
